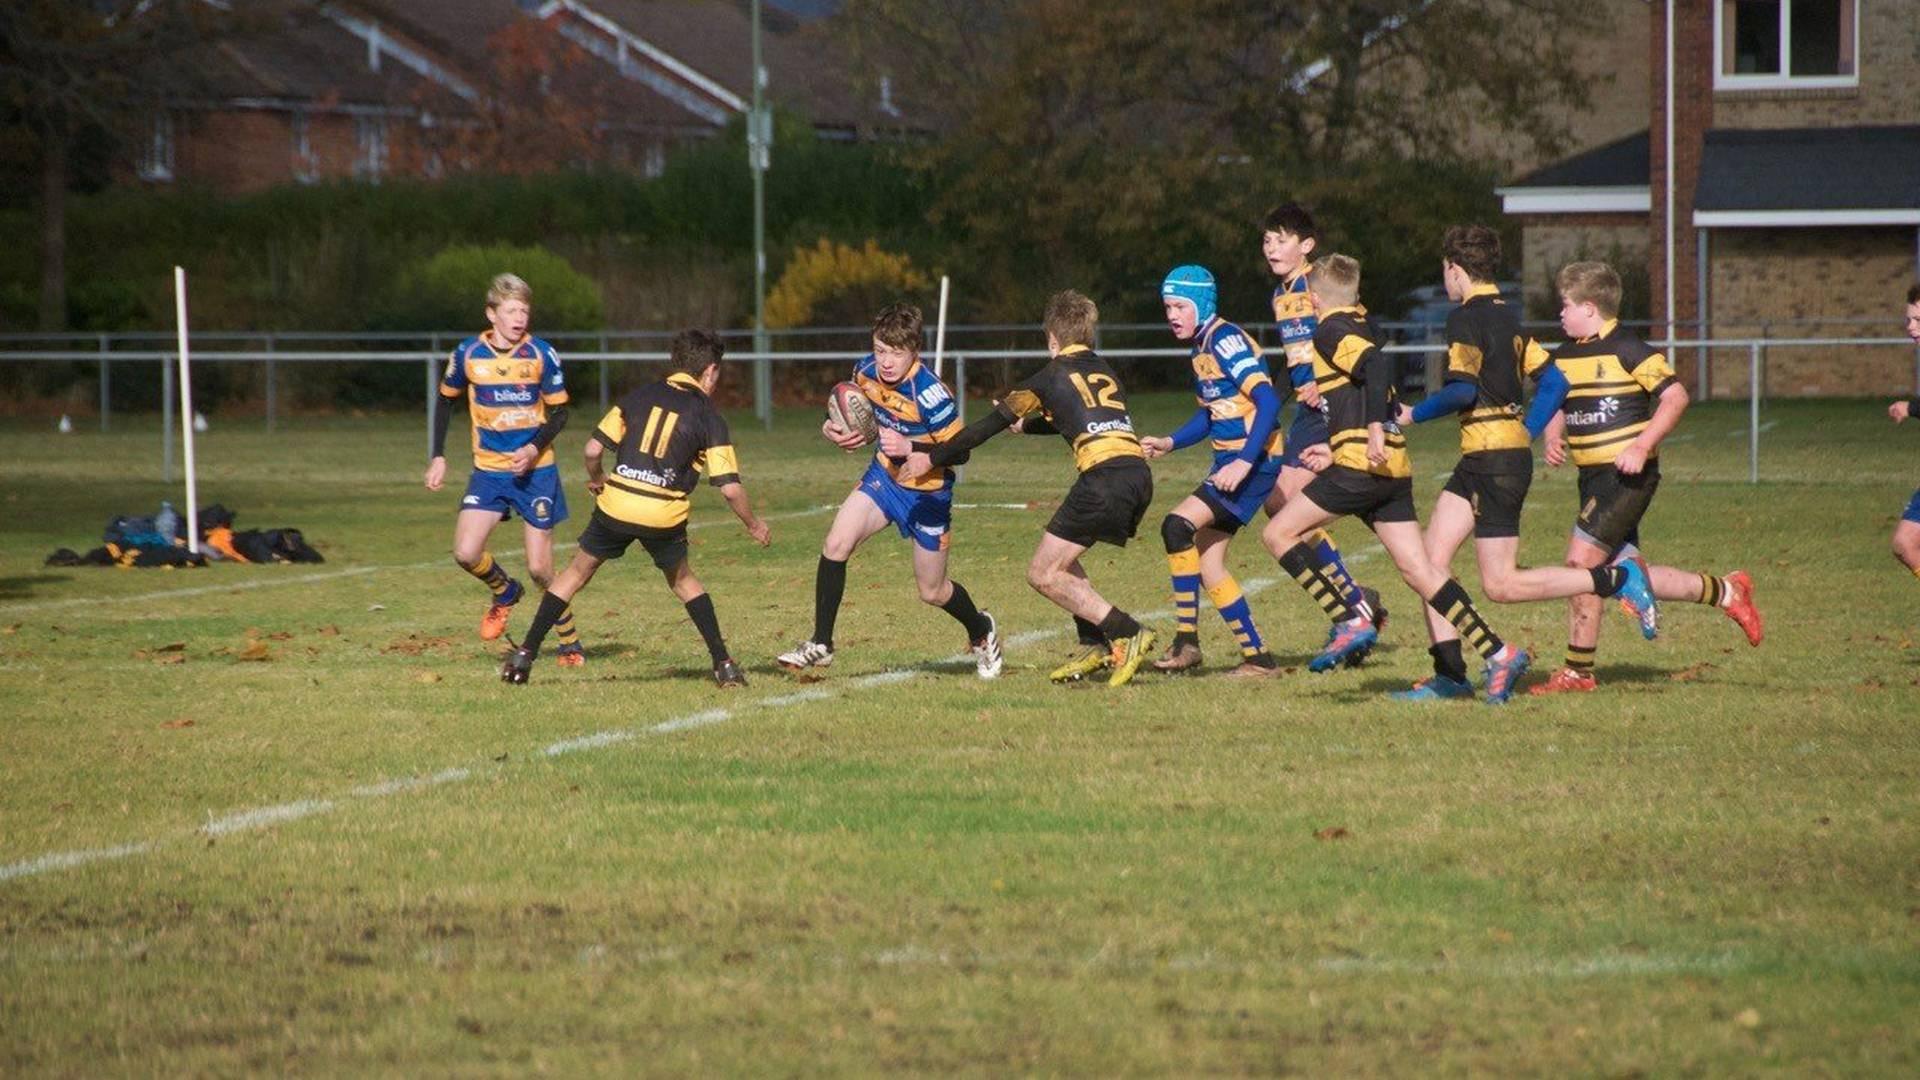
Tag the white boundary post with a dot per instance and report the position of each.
(940, 330)
(186, 406)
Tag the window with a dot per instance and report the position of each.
(306, 167)
(156, 160)
(1786, 43)
(371, 132)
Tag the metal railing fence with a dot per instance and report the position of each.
(432, 361)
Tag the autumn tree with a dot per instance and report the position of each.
(1097, 144)
(79, 70)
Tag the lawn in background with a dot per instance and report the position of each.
(286, 818)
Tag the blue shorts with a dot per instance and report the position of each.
(922, 516)
(537, 496)
(1309, 427)
(1232, 509)
(1913, 509)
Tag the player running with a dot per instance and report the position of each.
(518, 398)
(1238, 408)
(1616, 398)
(1487, 359)
(1288, 238)
(1906, 534)
(911, 400)
(1371, 478)
(663, 436)
(1078, 395)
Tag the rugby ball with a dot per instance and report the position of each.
(850, 410)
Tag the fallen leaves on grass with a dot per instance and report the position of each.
(183, 722)
(173, 652)
(1748, 1018)
(1691, 672)
(328, 630)
(1332, 832)
(254, 632)
(415, 644)
(255, 652)
(427, 676)
(10, 629)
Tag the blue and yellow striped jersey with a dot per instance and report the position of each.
(1227, 368)
(508, 393)
(919, 406)
(1293, 310)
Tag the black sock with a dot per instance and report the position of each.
(1607, 580)
(1186, 638)
(1453, 604)
(1118, 624)
(700, 610)
(1448, 661)
(960, 606)
(1299, 562)
(551, 608)
(829, 583)
(1089, 633)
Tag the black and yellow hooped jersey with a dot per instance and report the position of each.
(664, 435)
(1346, 361)
(1486, 347)
(1613, 381)
(1079, 395)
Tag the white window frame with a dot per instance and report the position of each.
(1779, 81)
(157, 163)
(370, 139)
(306, 167)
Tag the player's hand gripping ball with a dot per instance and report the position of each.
(850, 410)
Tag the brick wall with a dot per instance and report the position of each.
(1550, 241)
(1770, 282)
(1889, 90)
(244, 150)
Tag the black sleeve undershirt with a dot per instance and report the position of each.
(556, 420)
(958, 448)
(442, 416)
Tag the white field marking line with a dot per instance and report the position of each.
(332, 575)
(66, 859)
(1533, 965)
(269, 816)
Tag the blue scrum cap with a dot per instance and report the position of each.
(1194, 284)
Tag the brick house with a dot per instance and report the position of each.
(373, 88)
(1795, 189)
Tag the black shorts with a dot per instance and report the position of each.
(1341, 489)
(608, 537)
(1105, 504)
(1496, 498)
(1612, 503)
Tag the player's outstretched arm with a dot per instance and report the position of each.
(736, 495)
(1454, 396)
(1192, 431)
(1548, 395)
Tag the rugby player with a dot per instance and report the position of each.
(517, 396)
(1615, 397)
(908, 399)
(663, 436)
(1487, 360)
(1371, 478)
(1238, 410)
(1079, 396)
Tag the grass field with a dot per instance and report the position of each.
(286, 819)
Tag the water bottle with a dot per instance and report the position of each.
(167, 522)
